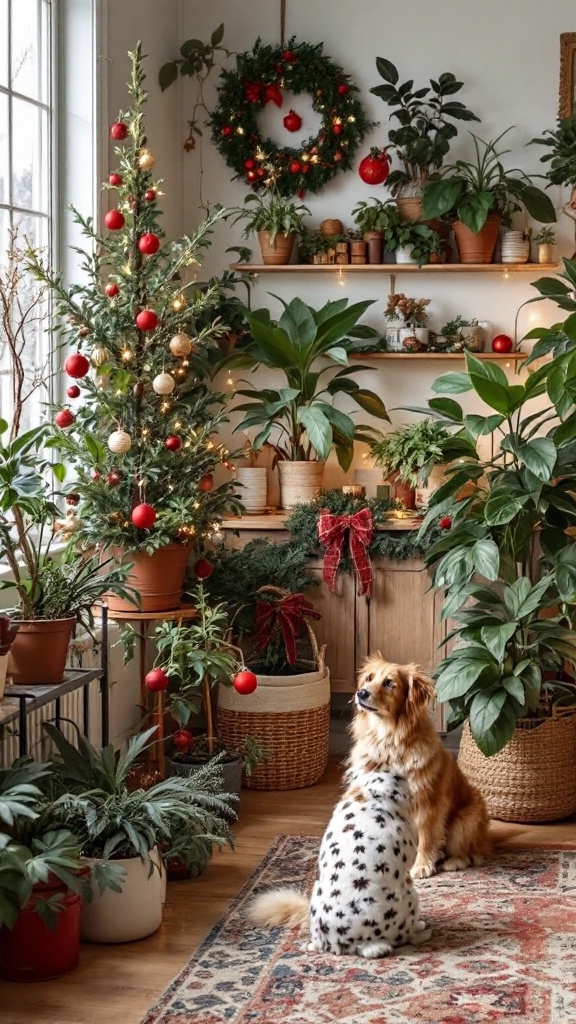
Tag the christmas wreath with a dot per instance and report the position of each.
(261, 76)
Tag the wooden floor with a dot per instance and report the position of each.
(119, 983)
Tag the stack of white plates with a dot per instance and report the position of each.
(515, 248)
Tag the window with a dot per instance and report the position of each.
(26, 165)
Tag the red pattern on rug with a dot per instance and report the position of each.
(503, 949)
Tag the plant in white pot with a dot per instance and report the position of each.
(299, 419)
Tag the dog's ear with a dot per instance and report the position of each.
(420, 687)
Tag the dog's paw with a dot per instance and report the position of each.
(455, 863)
(420, 934)
(374, 950)
(422, 869)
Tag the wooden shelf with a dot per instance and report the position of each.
(392, 268)
(515, 357)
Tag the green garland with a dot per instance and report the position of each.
(260, 77)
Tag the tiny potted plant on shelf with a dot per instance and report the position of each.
(376, 220)
(277, 220)
(545, 241)
(414, 243)
(462, 333)
(406, 320)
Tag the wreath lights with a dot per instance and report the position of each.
(261, 77)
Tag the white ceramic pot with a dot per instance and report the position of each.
(252, 487)
(515, 248)
(300, 481)
(131, 914)
(404, 254)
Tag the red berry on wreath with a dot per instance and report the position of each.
(183, 740)
(203, 569)
(156, 680)
(249, 164)
(76, 365)
(119, 130)
(261, 173)
(292, 122)
(289, 56)
(64, 418)
(147, 320)
(245, 682)
(343, 89)
(173, 443)
(375, 168)
(252, 176)
(227, 130)
(206, 482)
(73, 391)
(445, 523)
(295, 167)
(338, 156)
(115, 179)
(337, 129)
(149, 243)
(143, 516)
(114, 220)
(149, 195)
(112, 290)
(113, 478)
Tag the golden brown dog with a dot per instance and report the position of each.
(392, 727)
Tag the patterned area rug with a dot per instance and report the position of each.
(503, 949)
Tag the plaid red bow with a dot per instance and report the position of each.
(332, 532)
(288, 616)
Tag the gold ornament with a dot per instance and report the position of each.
(119, 442)
(314, 159)
(146, 160)
(180, 345)
(99, 355)
(240, 130)
(163, 384)
(304, 158)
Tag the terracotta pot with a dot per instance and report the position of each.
(478, 248)
(374, 241)
(157, 578)
(402, 491)
(299, 481)
(280, 251)
(39, 651)
(33, 952)
(358, 251)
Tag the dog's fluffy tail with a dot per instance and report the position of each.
(279, 907)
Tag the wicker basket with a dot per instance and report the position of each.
(290, 717)
(534, 777)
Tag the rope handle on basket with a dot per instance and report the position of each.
(319, 653)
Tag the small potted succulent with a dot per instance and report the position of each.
(545, 240)
(277, 220)
(406, 320)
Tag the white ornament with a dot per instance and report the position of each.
(99, 355)
(163, 384)
(119, 442)
(146, 160)
(181, 345)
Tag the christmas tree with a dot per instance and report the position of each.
(140, 427)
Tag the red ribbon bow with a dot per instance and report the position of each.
(287, 615)
(332, 532)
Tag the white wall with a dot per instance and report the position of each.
(507, 54)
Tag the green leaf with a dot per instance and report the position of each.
(496, 638)
(338, 354)
(370, 403)
(501, 507)
(481, 425)
(513, 686)
(59, 470)
(495, 737)
(485, 710)
(318, 429)
(217, 35)
(486, 558)
(167, 75)
(455, 679)
(387, 70)
(539, 455)
(452, 383)
(532, 682)
(448, 407)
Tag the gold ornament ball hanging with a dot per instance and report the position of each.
(119, 442)
(163, 384)
(146, 160)
(99, 355)
(180, 345)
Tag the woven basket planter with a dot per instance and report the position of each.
(290, 718)
(533, 778)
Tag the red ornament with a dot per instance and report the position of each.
(183, 740)
(288, 56)
(114, 220)
(261, 173)
(143, 516)
(252, 91)
(250, 164)
(113, 478)
(112, 290)
(149, 195)
(252, 176)
(203, 569)
(292, 122)
(502, 343)
(375, 168)
(119, 130)
(73, 391)
(115, 179)
(77, 365)
(338, 156)
(64, 418)
(301, 193)
(337, 129)
(445, 523)
(295, 167)
(148, 244)
(227, 130)
(272, 94)
(343, 89)
(206, 482)
(147, 320)
(245, 682)
(96, 475)
(156, 680)
(173, 443)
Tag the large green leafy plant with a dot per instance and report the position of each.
(413, 450)
(507, 561)
(300, 420)
(560, 152)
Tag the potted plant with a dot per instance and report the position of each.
(506, 567)
(277, 220)
(408, 318)
(424, 134)
(320, 247)
(142, 440)
(413, 242)
(545, 240)
(376, 220)
(8, 631)
(479, 195)
(561, 155)
(299, 420)
(40, 880)
(123, 833)
(463, 333)
(415, 456)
